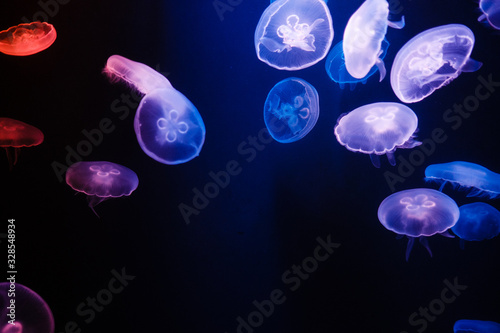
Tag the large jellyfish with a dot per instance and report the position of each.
(465, 175)
(363, 37)
(27, 38)
(15, 134)
(101, 180)
(291, 110)
(419, 212)
(475, 326)
(378, 129)
(478, 221)
(336, 70)
(491, 12)
(30, 313)
(431, 60)
(294, 34)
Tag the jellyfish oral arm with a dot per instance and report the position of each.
(397, 24)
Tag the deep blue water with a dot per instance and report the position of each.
(243, 243)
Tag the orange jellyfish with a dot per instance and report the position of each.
(16, 134)
(27, 38)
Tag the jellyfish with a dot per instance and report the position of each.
(137, 75)
(101, 180)
(291, 110)
(475, 326)
(480, 181)
(294, 34)
(419, 212)
(29, 314)
(491, 12)
(336, 70)
(27, 38)
(168, 126)
(15, 134)
(431, 60)
(478, 221)
(378, 129)
(363, 37)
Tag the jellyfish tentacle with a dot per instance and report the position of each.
(397, 24)
(375, 160)
(391, 158)
(447, 234)
(425, 243)
(411, 240)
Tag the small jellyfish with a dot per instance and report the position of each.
(336, 70)
(137, 75)
(30, 312)
(491, 12)
(378, 129)
(291, 110)
(465, 175)
(431, 60)
(363, 37)
(475, 326)
(101, 180)
(478, 221)
(15, 134)
(419, 212)
(294, 34)
(27, 38)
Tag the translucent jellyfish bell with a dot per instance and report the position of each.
(419, 212)
(31, 314)
(294, 34)
(15, 134)
(363, 37)
(478, 221)
(476, 326)
(491, 12)
(291, 110)
(431, 60)
(378, 129)
(27, 38)
(101, 180)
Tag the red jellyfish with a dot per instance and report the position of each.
(27, 38)
(16, 134)
(23, 310)
(101, 180)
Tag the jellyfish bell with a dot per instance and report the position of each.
(378, 129)
(101, 180)
(431, 60)
(478, 221)
(490, 13)
(294, 34)
(27, 38)
(15, 134)
(363, 38)
(418, 213)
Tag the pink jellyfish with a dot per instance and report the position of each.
(15, 134)
(27, 38)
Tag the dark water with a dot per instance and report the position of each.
(281, 202)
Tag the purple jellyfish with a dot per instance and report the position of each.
(22, 310)
(378, 129)
(101, 180)
(491, 12)
(419, 212)
(431, 60)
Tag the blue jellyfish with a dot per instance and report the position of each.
(378, 129)
(101, 180)
(419, 212)
(294, 34)
(336, 70)
(431, 60)
(465, 175)
(168, 126)
(476, 326)
(291, 110)
(363, 37)
(478, 221)
(491, 12)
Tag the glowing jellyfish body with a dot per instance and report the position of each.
(363, 37)
(27, 38)
(419, 212)
(101, 180)
(32, 314)
(491, 12)
(465, 175)
(478, 221)
(378, 129)
(475, 326)
(15, 134)
(431, 60)
(291, 110)
(337, 71)
(294, 34)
